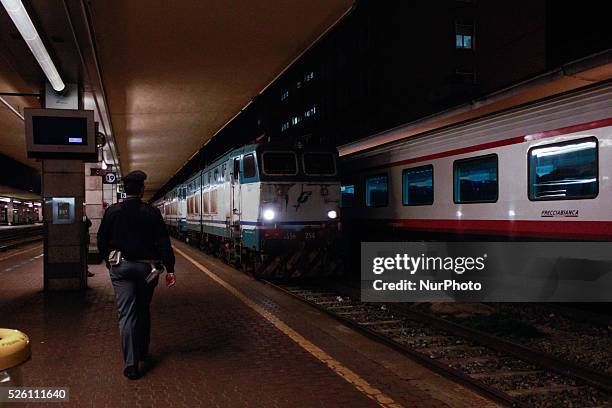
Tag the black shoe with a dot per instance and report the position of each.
(131, 372)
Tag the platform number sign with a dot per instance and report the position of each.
(110, 178)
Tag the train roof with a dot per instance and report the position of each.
(253, 147)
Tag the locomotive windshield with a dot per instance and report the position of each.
(317, 164)
(279, 163)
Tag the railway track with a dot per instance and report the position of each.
(508, 373)
(13, 237)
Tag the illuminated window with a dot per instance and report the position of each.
(309, 76)
(464, 36)
(475, 180)
(310, 112)
(417, 186)
(284, 95)
(347, 195)
(376, 189)
(285, 126)
(296, 119)
(563, 171)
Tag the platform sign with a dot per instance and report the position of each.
(110, 178)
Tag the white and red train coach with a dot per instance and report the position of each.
(541, 171)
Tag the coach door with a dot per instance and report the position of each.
(235, 201)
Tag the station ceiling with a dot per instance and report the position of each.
(176, 72)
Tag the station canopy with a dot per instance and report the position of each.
(174, 72)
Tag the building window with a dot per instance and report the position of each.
(465, 76)
(417, 186)
(564, 171)
(475, 180)
(377, 191)
(464, 36)
(296, 119)
(347, 196)
(299, 84)
(285, 126)
(284, 95)
(309, 76)
(310, 112)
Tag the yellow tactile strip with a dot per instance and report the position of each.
(347, 374)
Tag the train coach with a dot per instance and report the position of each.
(536, 172)
(271, 208)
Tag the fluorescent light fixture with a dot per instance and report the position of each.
(22, 21)
(11, 108)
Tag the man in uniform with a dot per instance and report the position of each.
(137, 231)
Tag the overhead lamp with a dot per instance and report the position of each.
(22, 21)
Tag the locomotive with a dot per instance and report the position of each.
(271, 208)
(535, 172)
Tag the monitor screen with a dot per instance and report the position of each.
(55, 130)
(60, 134)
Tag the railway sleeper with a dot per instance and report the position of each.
(541, 390)
(506, 374)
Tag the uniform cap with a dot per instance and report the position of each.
(135, 176)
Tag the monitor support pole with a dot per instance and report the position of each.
(63, 191)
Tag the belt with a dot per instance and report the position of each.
(147, 261)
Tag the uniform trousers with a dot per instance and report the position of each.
(133, 296)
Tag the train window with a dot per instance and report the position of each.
(249, 168)
(347, 195)
(236, 168)
(417, 186)
(377, 191)
(279, 163)
(475, 180)
(319, 164)
(216, 176)
(564, 171)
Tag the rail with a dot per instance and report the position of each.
(11, 237)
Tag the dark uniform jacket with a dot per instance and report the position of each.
(138, 231)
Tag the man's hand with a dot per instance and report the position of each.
(170, 280)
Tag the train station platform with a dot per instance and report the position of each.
(219, 339)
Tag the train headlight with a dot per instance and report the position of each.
(269, 214)
(332, 214)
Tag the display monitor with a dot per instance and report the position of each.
(60, 134)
